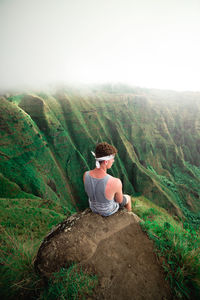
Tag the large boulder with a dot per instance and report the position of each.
(115, 247)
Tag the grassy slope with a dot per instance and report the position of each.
(45, 144)
(157, 135)
(27, 159)
(24, 223)
(177, 245)
(138, 129)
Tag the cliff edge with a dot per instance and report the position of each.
(114, 247)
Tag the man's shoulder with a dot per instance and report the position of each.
(115, 180)
(84, 175)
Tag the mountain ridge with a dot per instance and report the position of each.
(146, 130)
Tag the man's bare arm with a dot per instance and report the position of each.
(118, 195)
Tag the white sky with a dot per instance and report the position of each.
(147, 43)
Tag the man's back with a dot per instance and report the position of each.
(113, 189)
(96, 190)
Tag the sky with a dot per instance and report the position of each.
(146, 43)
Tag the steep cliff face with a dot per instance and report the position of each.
(46, 143)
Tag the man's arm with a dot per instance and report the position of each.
(84, 177)
(118, 194)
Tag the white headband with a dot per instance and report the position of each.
(102, 158)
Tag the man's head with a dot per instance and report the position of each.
(104, 149)
(105, 154)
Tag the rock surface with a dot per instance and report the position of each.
(115, 247)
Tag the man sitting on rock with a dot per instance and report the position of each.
(105, 191)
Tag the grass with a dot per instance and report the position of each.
(179, 246)
(18, 278)
(24, 223)
(192, 186)
(71, 283)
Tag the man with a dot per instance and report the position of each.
(104, 191)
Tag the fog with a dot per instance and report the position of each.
(146, 43)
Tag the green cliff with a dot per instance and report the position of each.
(46, 143)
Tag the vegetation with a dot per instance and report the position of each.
(71, 283)
(45, 146)
(178, 243)
(46, 142)
(189, 217)
(24, 223)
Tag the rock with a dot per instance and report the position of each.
(114, 247)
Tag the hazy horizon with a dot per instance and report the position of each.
(151, 43)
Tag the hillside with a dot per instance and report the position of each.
(46, 139)
(46, 143)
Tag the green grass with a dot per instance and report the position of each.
(27, 164)
(9, 189)
(191, 186)
(24, 223)
(71, 283)
(18, 278)
(16, 98)
(45, 151)
(179, 246)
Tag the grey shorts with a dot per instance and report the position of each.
(124, 201)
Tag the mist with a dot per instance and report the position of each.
(151, 43)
